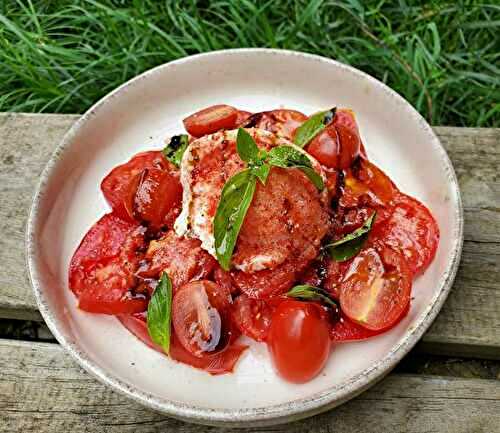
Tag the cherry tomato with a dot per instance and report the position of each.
(299, 340)
(346, 117)
(157, 193)
(210, 120)
(182, 258)
(102, 270)
(242, 117)
(280, 122)
(376, 288)
(252, 317)
(412, 230)
(345, 330)
(199, 317)
(120, 185)
(337, 146)
(215, 363)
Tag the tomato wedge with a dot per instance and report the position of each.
(376, 288)
(210, 120)
(120, 185)
(200, 317)
(281, 122)
(156, 195)
(412, 230)
(299, 340)
(252, 317)
(102, 270)
(218, 363)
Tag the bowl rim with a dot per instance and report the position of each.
(283, 412)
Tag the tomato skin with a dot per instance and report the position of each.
(376, 288)
(345, 330)
(120, 184)
(410, 229)
(218, 363)
(200, 317)
(282, 122)
(157, 193)
(102, 269)
(337, 146)
(211, 119)
(346, 117)
(252, 317)
(299, 340)
(242, 117)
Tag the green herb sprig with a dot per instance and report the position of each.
(312, 126)
(160, 313)
(310, 293)
(238, 191)
(175, 149)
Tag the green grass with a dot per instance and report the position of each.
(62, 56)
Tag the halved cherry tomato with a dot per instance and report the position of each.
(412, 230)
(215, 363)
(376, 288)
(182, 259)
(299, 340)
(210, 120)
(337, 146)
(199, 317)
(280, 122)
(345, 330)
(120, 185)
(102, 270)
(252, 317)
(157, 193)
(346, 117)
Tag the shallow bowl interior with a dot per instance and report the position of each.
(139, 116)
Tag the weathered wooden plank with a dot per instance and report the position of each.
(42, 390)
(470, 321)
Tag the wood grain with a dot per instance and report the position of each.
(469, 324)
(42, 390)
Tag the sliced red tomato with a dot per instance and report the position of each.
(120, 185)
(335, 272)
(337, 146)
(253, 316)
(182, 258)
(210, 120)
(223, 279)
(102, 270)
(217, 363)
(376, 288)
(280, 122)
(299, 340)
(412, 230)
(200, 317)
(242, 117)
(157, 194)
(346, 117)
(345, 330)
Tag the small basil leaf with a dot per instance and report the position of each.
(176, 148)
(235, 200)
(314, 177)
(351, 244)
(246, 147)
(160, 313)
(287, 156)
(311, 293)
(312, 126)
(262, 172)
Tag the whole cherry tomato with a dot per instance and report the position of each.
(299, 340)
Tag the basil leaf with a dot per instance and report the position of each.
(235, 200)
(262, 172)
(176, 148)
(246, 147)
(311, 293)
(351, 244)
(287, 157)
(312, 126)
(160, 313)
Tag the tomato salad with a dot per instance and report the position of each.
(272, 225)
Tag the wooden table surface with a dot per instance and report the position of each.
(43, 390)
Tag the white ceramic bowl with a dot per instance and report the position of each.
(138, 116)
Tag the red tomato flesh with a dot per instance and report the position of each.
(198, 316)
(299, 340)
(120, 185)
(281, 122)
(252, 317)
(102, 270)
(376, 288)
(157, 193)
(210, 120)
(216, 363)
